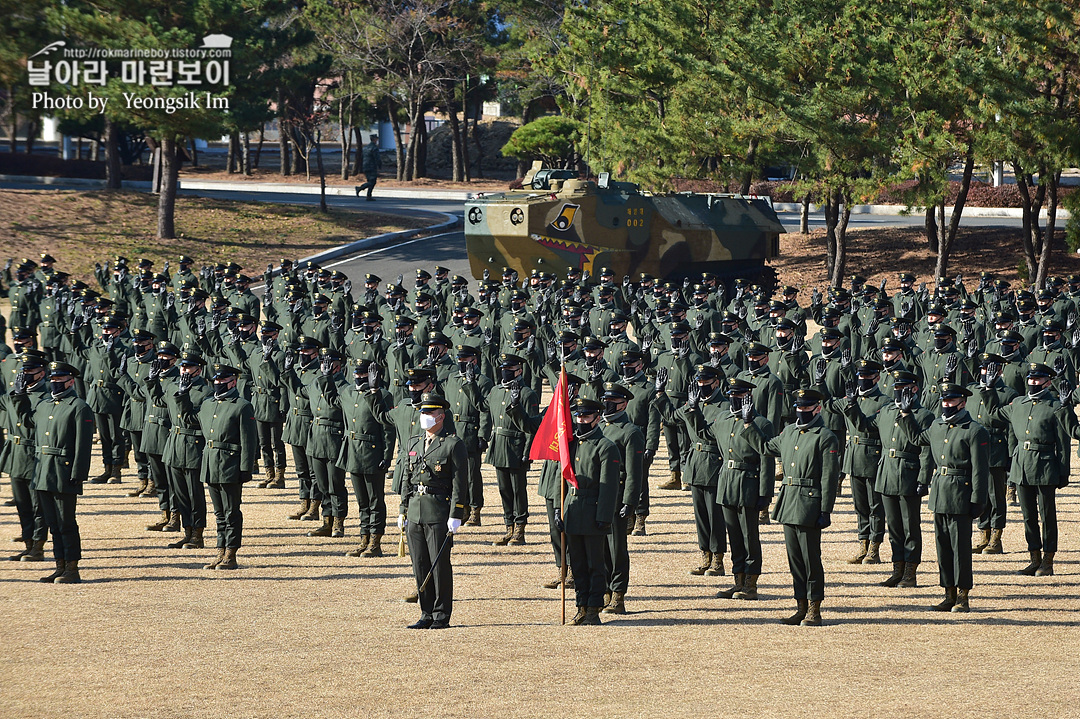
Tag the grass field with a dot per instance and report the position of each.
(301, 630)
(81, 227)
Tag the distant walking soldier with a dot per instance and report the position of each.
(369, 165)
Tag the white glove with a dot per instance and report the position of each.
(402, 522)
(453, 525)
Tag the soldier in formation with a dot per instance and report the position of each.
(171, 365)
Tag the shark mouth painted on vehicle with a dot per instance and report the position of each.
(567, 250)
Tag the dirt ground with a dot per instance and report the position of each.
(880, 253)
(301, 630)
(79, 227)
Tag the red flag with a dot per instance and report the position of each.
(552, 440)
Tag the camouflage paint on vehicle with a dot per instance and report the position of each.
(558, 223)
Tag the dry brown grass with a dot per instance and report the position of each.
(300, 630)
(79, 227)
(880, 253)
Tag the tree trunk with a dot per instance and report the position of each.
(476, 140)
(748, 176)
(112, 156)
(344, 133)
(258, 148)
(1051, 223)
(930, 227)
(358, 140)
(32, 127)
(170, 170)
(421, 149)
(78, 147)
(840, 266)
(961, 196)
(399, 150)
(283, 138)
(230, 155)
(1028, 223)
(832, 208)
(804, 215)
(194, 153)
(466, 161)
(322, 173)
(13, 141)
(155, 166)
(245, 153)
(95, 149)
(941, 241)
(457, 166)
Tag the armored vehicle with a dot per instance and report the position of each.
(558, 221)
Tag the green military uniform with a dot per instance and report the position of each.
(18, 456)
(589, 512)
(744, 486)
(992, 521)
(958, 490)
(232, 448)
(133, 419)
(807, 452)
(183, 451)
(903, 468)
(701, 471)
(862, 455)
(64, 431)
(472, 425)
(268, 402)
(324, 444)
(508, 449)
(106, 400)
(628, 438)
(433, 490)
(155, 436)
(1043, 431)
(296, 380)
(365, 455)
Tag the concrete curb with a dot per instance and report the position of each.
(897, 210)
(77, 181)
(287, 188)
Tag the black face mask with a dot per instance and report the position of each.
(246, 335)
(611, 408)
(1035, 389)
(591, 361)
(57, 387)
(949, 412)
(507, 375)
(519, 337)
(942, 342)
(462, 366)
(784, 342)
(627, 371)
(1049, 341)
(759, 313)
(582, 429)
(220, 389)
(755, 363)
(866, 383)
(415, 395)
(360, 381)
(676, 343)
(736, 404)
(307, 360)
(804, 417)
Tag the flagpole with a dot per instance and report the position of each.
(562, 532)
